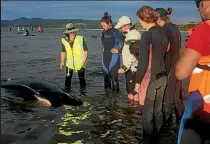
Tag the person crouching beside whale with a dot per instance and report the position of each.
(76, 51)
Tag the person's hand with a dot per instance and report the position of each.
(137, 87)
(82, 63)
(121, 71)
(61, 65)
(114, 50)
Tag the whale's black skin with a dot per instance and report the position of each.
(32, 90)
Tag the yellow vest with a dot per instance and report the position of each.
(75, 55)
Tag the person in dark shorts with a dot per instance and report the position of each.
(154, 42)
(173, 93)
(76, 51)
(129, 61)
(112, 41)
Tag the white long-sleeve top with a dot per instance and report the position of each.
(129, 60)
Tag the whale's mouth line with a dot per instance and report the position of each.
(43, 101)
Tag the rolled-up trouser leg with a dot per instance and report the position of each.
(158, 105)
(69, 73)
(81, 74)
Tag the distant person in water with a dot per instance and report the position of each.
(32, 28)
(112, 41)
(10, 28)
(173, 92)
(40, 29)
(27, 32)
(75, 49)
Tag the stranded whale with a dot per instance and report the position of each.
(40, 90)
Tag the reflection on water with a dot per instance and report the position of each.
(105, 117)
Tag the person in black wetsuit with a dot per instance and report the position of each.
(112, 41)
(173, 93)
(152, 41)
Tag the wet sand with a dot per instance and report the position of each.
(104, 118)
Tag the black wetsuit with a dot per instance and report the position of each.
(111, 38)
(173, 93)
(27, 33)
(152, 114)
(81, 72)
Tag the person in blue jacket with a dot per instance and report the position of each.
(112, 41)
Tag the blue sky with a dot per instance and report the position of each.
(183, 11)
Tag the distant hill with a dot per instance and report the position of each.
(60, 23)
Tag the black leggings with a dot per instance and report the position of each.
(173, 97)
(152, 114)
(69, 74)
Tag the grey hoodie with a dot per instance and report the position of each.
(129, 60)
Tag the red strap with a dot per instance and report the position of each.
(168, 47)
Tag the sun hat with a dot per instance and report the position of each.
(70, 28)
(123, 21)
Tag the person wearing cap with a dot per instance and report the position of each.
(76, 52)
(194, 63)
(130, 61)
(173, 92)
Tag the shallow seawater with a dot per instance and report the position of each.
(104, 117)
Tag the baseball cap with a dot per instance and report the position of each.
(123, 21)
(162, 12)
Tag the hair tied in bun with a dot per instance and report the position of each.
(169, 10)
(105, 14)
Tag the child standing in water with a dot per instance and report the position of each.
(134, 48)
(129, 61)
(112, 41)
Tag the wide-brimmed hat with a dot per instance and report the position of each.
(123, 21)
(70, 28)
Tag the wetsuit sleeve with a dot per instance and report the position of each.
(119, 40)
(102, 38)
(63, 48)
(143, 56)
(84, 45)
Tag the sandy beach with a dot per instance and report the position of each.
(104, 118)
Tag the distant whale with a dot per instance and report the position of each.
(39, 90)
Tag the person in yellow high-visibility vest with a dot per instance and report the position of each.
(76, 52)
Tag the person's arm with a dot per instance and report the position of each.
(191, 55)
(102, 38)
(85, 51)
(187, 63)
(126, 60)
(63, 52)
(121, 38)
(143, 60)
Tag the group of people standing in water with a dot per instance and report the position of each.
(152, 64)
